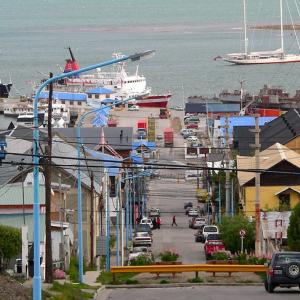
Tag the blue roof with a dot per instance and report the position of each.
(112, 163)
(138, 143)
(100, 90)
(65, 96)
(136, 158)
(243, 121)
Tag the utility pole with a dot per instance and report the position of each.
(227, 172)
(92, 220)
(257, 188)
(48, 271)
(62, 220)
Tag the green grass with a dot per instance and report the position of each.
(195, 280)
(71, 292)
(107, 278)
(245, 281)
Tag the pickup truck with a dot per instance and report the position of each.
(212, 246)
(142, 239)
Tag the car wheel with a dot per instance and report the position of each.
(269, 287)
(293, 270)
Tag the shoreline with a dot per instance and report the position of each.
(277, 27)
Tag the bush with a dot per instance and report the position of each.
(164, 281)
(244, 259)
(220, 255)
(195, 280)
(168, 255)
(10, 244)
(294, 229)
(230, 228)
(141, 260)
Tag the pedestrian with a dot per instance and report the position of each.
(154, 222)
(174, 221)
(158, 222)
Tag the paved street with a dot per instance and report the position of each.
(201, 292)
(169, 196)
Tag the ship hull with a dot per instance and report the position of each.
(160, 101)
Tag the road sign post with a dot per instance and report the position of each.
(242, 236)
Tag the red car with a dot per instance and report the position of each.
(213, 245)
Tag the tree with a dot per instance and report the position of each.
(294, 229)
(230, 230)
(10, 244)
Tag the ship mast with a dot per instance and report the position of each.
(245, 29)
(281, 28)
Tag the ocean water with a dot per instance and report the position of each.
(186, 35)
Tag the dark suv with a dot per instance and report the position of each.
(284, 271)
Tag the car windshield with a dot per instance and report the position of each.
(210, 229)
(286, 258)
(139, 249)
(213, 237)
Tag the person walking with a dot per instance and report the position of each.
(174, 221)
(158, 222)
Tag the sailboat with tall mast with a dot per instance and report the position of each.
(262, 57)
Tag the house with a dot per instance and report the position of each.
(118, 140)
(76, 102)
(98, 95)
(278, 191)
(15, 169)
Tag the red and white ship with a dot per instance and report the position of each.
(117, 79)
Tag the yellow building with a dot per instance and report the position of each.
(279, 180)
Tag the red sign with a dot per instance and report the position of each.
(242, 232)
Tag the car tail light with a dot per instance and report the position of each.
(271, 272)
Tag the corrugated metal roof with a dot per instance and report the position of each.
(100, 90)
(119, 138)
(211, 107)
(11, 194)
(267, 159)
(64, 96)
(139, 143)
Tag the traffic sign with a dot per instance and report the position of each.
(242, 232)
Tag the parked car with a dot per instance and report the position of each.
(212, 246)
(159, 136)
(192, 212)
(187, 204)
(192, 138)
(147, 221)
(140, 250)
(134, 108)
(154, 212)
(208, 229)
(197, 222)
(142, 238)
(283, 271)
(143, 228)
(199, 235)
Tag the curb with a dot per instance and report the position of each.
(99, 291)
(172, 285)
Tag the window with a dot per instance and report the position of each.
(96, 96)
(284, 202)
(89, 96)
(63, 102)
(79, 103)
(71, 103)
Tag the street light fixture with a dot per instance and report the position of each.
(36, 205)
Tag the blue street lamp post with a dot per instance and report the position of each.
(36, 205)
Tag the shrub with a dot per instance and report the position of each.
(230, 228)
(244, 259)
(168, 255)
(195, 280)
(294, 229)
(74, 267)
(141, 260)
(164, 281)
(220, 255)
(10, 244)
